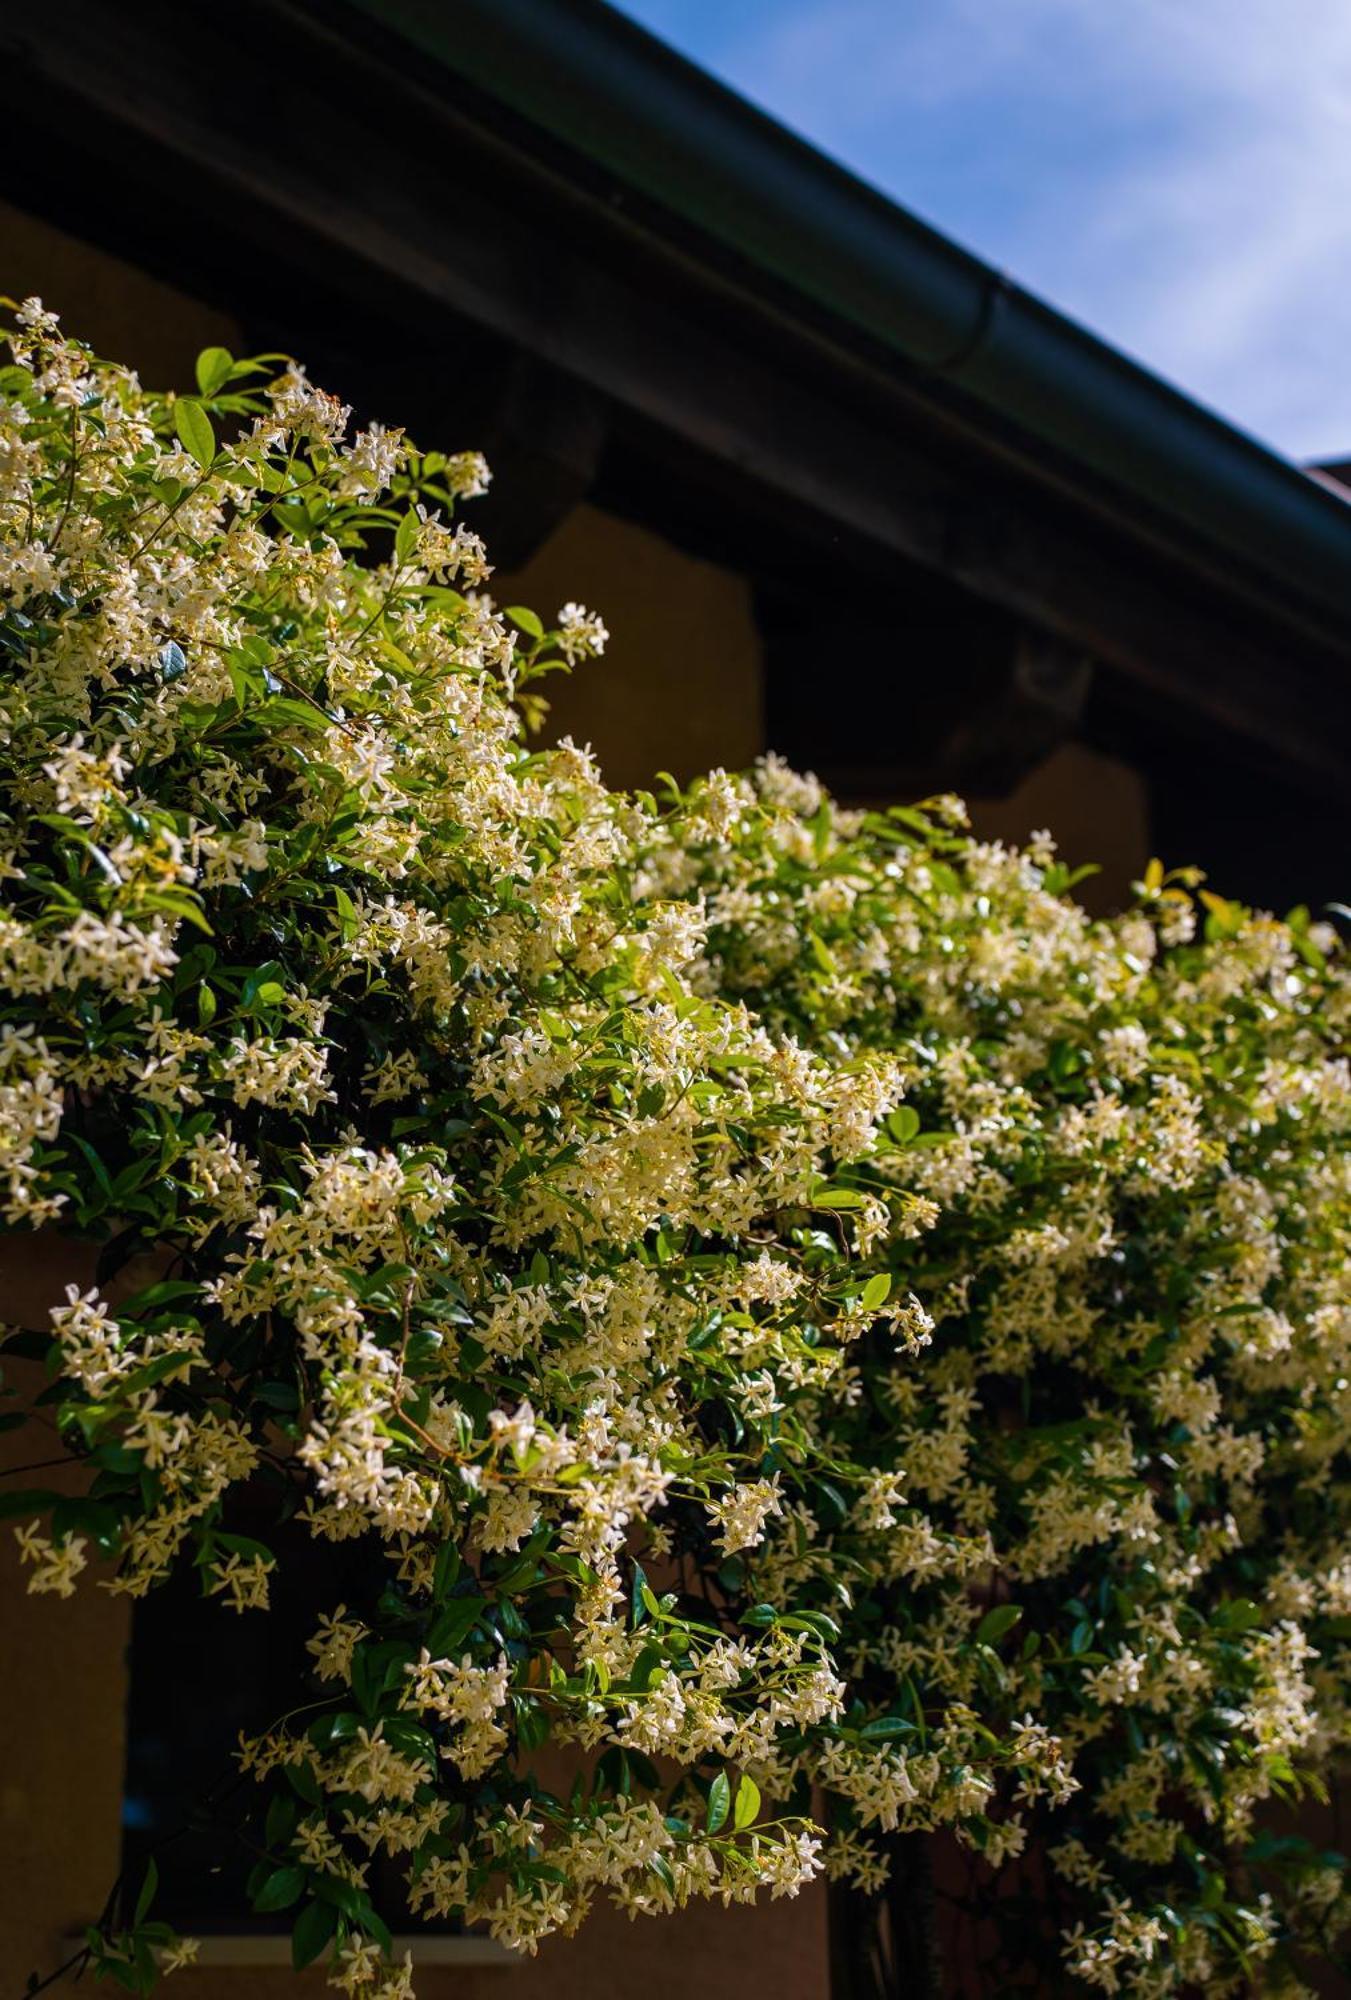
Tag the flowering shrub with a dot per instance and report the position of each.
(795, 1310)
(1101, 1529)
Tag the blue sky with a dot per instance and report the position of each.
(1175, 174)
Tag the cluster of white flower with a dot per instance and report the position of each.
(773, 1290)
(1131, 1400)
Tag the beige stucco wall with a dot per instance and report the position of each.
(771, 1951)
(679, 687)
(62, 1679)
(62, 1693)
(1098, 809)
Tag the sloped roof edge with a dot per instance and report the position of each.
(595, 81)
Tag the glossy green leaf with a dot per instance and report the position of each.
(193, 426)
(747, 1803)
(312, 1930)
(996, 1622)
(214, 365)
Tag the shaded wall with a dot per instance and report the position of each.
(123, 314)
(1098, 809)
(62, 1695)
(680, 685)
(62, 1702)
(681, 688)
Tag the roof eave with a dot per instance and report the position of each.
(592, 79)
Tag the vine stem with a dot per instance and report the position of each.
(80, 1958)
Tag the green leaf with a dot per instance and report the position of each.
(451, 1628)
(243, 1545)
(1238, 1614)
(747, 1804)
(281, 708)
(903, 1124)
(283, 1887)
(123, 1975)
(342, 1894)
(173, 662)
(996, 1623)
(445, 1574)
(28, 1500)
(648, 1662)
(180, 904)
(96, 1166)
(719, 1802)
(147, 1895)
(281, 1818)
(405, 537)
(193, 426)
(302, 1779)
(348, 921)
(876, 1292)
(641, 1593)
(820, 951)
(214, 365)
(525, 620)
(338, 1726)
(311, 1932)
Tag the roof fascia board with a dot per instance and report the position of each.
(592, 79)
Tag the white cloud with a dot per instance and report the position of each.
(1176, 173)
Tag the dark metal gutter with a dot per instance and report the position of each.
(658, 125)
